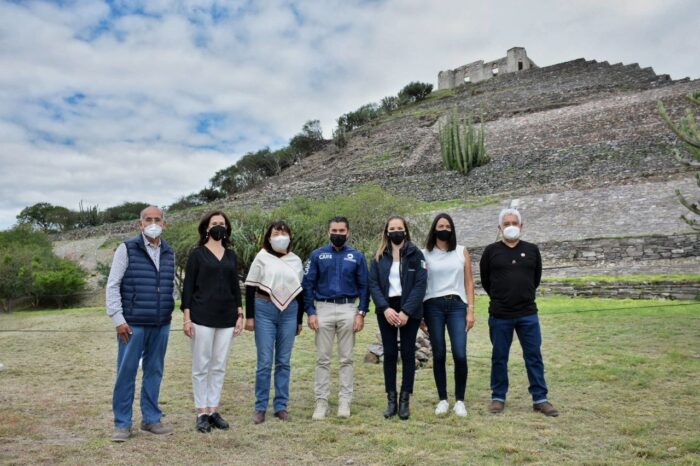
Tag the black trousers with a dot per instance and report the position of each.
(408, 335)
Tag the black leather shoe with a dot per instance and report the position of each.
(203, 423)
(404, 412)
(217, 421)
(391, 407)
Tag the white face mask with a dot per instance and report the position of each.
(511, 233)
(279, 243)
(153, 230)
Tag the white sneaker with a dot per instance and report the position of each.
(343, 408)
(442, 408)
(459, 409)
(320, 411)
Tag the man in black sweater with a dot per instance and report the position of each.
(511, 270)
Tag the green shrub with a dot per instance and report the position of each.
(462, 147)
(389, 104)
(308, 141)
(60, 282)
(359, 117)
(88, 215)
(340, 138)
(124, 212)
(414, 92)
(28, 267)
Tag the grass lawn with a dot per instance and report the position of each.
(626, 381)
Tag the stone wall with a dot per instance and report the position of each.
(646, 248)
(655, 290)
(621, 249)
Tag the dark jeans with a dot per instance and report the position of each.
(450, 312)
(528, 330)
(408, 335)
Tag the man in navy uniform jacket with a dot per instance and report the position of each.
(335, 278)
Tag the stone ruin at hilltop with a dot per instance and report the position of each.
(516, 59)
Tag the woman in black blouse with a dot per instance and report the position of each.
(211, 301)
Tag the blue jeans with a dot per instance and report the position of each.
(451, 313)
(274, 338)
(501, 333)
(149, 342)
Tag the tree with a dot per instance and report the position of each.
(688, 132)
(308, 141)
(128, 211)
(47, 217)
(414, 92)
(15, 277)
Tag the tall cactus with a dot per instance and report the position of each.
(461, 146)
(687, 131)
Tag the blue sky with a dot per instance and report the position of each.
(114, 101)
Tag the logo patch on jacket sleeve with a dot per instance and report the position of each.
(424, 265)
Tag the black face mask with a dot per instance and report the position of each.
(217, 232)
(443, 235)
(338, 240)
(397, 237)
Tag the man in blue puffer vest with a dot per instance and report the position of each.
(140, 301)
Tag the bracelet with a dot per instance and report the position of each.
(187, 322)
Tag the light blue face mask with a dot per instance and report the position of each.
(279, 243)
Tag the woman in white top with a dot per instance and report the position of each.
(448, 303)
(274, 305)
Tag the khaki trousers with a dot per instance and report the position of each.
(334, 319)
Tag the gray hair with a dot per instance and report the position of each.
(509, 211)
(143, 212)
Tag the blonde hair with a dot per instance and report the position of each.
(384, 242)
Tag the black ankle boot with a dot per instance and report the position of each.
(391, 407)
(203, 423)
(403, 405)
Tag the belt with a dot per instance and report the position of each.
(345, 300)
(448, 297)
(264, 297)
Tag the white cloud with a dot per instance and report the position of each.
(104, 105)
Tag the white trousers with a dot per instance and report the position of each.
(210, 348)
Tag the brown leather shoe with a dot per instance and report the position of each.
(546, 408)
(259, 417)
(496, 407)
(282, 415)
